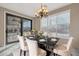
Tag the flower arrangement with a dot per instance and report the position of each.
(38, 34)
(35, 33)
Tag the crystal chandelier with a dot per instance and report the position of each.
(42, 12)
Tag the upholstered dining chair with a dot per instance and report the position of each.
(63, 49)
(34, 50)
(23, 46)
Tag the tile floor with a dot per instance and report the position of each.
(14, 50)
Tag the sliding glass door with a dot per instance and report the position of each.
(16, 25)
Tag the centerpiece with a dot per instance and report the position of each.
(37, 34)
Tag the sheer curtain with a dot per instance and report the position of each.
(57, 24)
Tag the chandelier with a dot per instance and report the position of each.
(42, 11)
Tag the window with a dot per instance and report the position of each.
(26, 25)
(57, 24)
(16, 25)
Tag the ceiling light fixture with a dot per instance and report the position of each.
(42, 12)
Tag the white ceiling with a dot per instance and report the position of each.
(29, 8)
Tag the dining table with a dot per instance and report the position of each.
(46, 43)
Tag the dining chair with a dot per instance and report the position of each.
(34, 50)
(63, 49)
(23, 46)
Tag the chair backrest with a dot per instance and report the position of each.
(69, 43)
(33, 47)
(21, 41)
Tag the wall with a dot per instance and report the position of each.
(3, 12)
(74, 26)
(36, 24)
(1, 26)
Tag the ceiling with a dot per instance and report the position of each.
(30, 8)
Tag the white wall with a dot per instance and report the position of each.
(1, 26)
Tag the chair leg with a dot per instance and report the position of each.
(20, 52)
(54, 54)
(24, 53)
